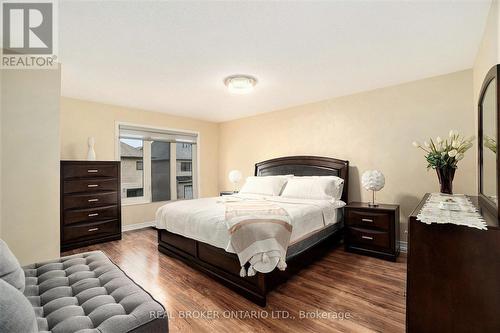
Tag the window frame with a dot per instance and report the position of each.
(147, 198)
(146, 175)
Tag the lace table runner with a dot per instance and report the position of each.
(454, 209)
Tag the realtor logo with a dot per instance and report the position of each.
(28, 34)
(27, 28)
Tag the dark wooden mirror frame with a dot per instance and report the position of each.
(493, 74)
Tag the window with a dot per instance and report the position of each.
(131, 155)
(188, 191)
(184, 175)
(160, 170)
(135, 192)
(186, 166)
(157, 165)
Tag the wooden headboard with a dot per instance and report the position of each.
(306, 166)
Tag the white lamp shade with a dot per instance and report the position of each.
(235, 176)
(373, 180)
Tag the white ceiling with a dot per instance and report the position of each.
(173, 56)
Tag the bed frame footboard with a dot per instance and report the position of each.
(224, 266)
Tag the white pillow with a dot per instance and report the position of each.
(266, 185)
(314, 187)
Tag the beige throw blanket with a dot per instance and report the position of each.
(259, 234)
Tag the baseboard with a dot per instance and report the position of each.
(137, 226)
(403, 246)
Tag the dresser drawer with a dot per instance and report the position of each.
(90, 214)
(89, 171)
(90, 185)
(90, 200)
(90, 230)
(368, 238)
(368, 219)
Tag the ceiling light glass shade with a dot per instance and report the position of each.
(235, 176)
(240, 84)
(373, 180)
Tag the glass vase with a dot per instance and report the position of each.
(446, 176)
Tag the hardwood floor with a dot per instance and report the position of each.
(369, 293)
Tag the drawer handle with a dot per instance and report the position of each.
(367, 237)
(93, 200)
(93, 229)
(93, 214)
(92, 171)
(367, 220)
(92, 185)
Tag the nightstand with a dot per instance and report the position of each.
(227, 193)
(372, 231)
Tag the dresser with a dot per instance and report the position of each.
(90, 203)
(453, 277)
(372, 231)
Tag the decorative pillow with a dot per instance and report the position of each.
(10, 270)
(314, 187)
(265, 185)
(16, 313)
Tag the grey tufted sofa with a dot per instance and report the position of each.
(87, 293)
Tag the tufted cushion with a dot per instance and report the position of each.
(10, 270)
(87, 293)
(16, 313)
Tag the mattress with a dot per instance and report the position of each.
(315, 237)
(204, 219)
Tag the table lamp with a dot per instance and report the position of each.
(235, 177)
(373, 180)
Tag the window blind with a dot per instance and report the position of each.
(147, 134)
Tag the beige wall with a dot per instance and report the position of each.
(1, 189)
(372, 130)
(81, 119)
(30, 163)
(489, 49)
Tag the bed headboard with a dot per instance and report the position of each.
(306, 166)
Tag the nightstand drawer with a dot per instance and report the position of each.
(367, 219)
(369, 238)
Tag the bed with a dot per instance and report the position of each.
(208, 252)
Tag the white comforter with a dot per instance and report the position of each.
(203, 219)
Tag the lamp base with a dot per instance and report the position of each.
(373, 203)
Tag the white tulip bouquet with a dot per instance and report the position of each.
(445, 153)
(491, 144)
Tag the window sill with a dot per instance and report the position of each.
(133, 203)
(143, 202)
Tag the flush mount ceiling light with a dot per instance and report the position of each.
(240, 84)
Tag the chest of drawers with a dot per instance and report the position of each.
(90, 203)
